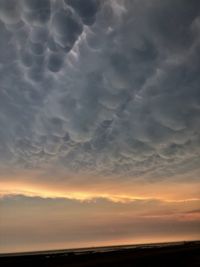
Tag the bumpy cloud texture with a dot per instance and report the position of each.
(104, 87)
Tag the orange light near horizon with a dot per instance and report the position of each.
(47, 191)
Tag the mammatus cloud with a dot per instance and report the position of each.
(108, 87)
(99, 122)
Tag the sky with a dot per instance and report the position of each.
(100, 123)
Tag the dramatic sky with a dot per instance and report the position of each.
(99, 122)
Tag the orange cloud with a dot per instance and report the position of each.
(127, 212)
(33, 184)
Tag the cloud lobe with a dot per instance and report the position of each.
(108, 87)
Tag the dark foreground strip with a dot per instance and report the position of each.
(171, 256)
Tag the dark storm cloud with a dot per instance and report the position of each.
(109, 87)
(65, 28)
(35, 12)
(86, 11)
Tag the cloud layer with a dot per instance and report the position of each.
(41, 224)
(108, 87)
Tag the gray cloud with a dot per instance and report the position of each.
(108, 87)
(87, 11)
(65, 28)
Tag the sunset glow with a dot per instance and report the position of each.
(99, 123)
